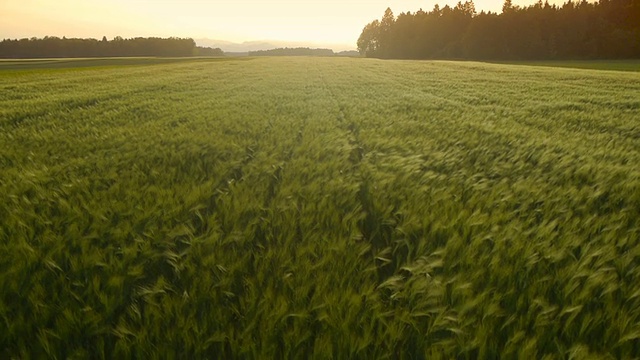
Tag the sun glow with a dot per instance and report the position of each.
(329, 21)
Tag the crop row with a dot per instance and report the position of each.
(330, 208)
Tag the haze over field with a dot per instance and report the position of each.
(337, 23)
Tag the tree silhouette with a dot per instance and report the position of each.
(606, 29)
(508, 7)
(55, 47)
(369, 38)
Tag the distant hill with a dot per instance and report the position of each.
(231, 47)
(301, 51)
(247, 46)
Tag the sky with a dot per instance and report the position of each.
(315, 21)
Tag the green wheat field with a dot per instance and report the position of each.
(327, 208)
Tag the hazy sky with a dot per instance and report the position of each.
(320, 21)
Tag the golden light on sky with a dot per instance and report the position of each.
(328, 21)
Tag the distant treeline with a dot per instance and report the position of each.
(54, 47)
(606, 29)
(301, 51)
(348, 53)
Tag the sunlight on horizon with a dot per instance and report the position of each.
(328, 22)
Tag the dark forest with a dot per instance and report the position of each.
(606, 29)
